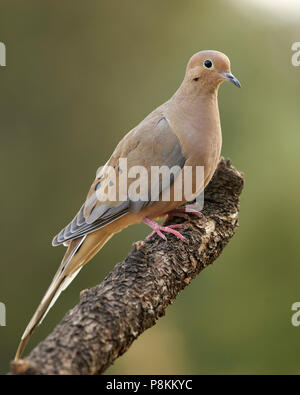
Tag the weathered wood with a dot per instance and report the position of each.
(137, 292)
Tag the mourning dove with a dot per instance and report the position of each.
(184, 131)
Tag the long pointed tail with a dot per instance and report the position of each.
(60, 282)
(79, 252)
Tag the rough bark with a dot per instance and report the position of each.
(137, 292)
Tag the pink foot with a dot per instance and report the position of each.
(183, 212)
(158, 229)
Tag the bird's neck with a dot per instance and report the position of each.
(196, 109)
(196, 122)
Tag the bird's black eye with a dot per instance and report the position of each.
(208, 63)
(196, 79)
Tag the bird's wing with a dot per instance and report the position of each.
(151, 144)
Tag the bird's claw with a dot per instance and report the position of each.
(183, 212)
(158, 229)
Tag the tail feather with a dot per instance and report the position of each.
(79, 252)
(59, 283)
(62, 286)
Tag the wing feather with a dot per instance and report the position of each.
(156, 145)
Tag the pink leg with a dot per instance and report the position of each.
(183, 212)
(158, 229)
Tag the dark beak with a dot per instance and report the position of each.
(230, 77)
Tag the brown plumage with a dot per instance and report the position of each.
(184, 131)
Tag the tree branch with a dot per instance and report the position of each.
(137, 292)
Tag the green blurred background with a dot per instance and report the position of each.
(79, 75)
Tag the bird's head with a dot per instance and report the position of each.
(206, 70)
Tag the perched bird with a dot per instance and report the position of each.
(184, 131)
